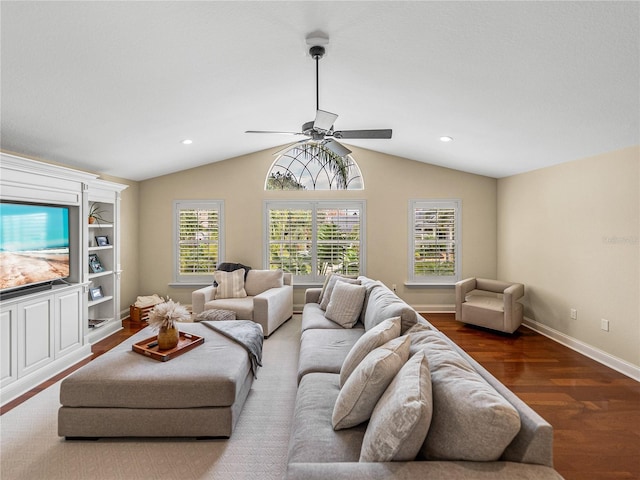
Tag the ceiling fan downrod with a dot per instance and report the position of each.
(317, 52)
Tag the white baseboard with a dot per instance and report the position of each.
(622, 366)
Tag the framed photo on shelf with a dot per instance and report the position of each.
(94, 264)
(96, 293)
(102, 240)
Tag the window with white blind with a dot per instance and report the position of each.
(199, 240)
(434, 241)
(312, 239)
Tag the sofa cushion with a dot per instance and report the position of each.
(401, 419)
(471, 420)
(230, 284)
(383, 304)
(328, 290)
(258, 281)
(313, 317)
(242, 306)
(312, 437)
(324, 350)
(377, 336)
(345, 304)
(367, 383)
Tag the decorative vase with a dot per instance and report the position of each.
(92, 220)
(168, 338)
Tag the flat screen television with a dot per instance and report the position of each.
(34, 244)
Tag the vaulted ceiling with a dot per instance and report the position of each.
(114, 87)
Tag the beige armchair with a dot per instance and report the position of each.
(489, 303)
(268, 300)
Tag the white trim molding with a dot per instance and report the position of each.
(587, 350)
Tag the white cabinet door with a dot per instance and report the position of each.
(8, 345)
(35, 329)
(68, 322)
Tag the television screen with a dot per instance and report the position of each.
(34, 244)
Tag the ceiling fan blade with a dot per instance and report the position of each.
(288, 147)
(324, 120)
(270, 131)
(336, 148)
(384, 133)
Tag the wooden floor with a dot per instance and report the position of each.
(594, 410)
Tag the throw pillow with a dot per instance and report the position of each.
(231, 267)
(345, 304)
(378, 335)
(367, 383)
(401, 419)
(471, 420)
(215, 314)
(230, 284)
(258, 281)
(326, 297)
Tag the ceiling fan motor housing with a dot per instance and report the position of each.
(316, 52)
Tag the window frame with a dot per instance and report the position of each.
(314, 206)
(178, 206)
(435, 280)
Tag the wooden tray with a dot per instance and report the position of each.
(186, 342)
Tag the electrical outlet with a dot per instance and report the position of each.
(574, 314)
(393, 287)
(604, 324)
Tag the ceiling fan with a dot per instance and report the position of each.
(320, 131)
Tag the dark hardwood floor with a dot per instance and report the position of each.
(595, 411)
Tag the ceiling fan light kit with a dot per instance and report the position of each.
(320, 131)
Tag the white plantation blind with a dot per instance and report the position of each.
(198, 240)
(311, 239)
(434, 241)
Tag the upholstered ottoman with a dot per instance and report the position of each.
(126, 394)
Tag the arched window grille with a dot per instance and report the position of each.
(311, 166)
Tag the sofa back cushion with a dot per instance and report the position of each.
(471, 420)
(382, 303)
(259, 281)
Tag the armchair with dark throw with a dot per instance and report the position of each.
(264, 296)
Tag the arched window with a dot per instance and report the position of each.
(311, 166)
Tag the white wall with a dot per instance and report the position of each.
(570, 234)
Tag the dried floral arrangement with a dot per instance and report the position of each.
(166, 314)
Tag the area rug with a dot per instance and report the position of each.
(30, 448)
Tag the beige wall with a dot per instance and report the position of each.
(390, 182)
(570, 234)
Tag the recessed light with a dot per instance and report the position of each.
(446, 139)
(186, 142)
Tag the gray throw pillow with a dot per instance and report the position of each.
(377, 336)
(367, 383)
(230, 284)
(401, 419)
(345, 304)
(333, 279)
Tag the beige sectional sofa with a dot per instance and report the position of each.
(475, 427)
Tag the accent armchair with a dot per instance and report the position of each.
(489, 303)
(267, 299)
